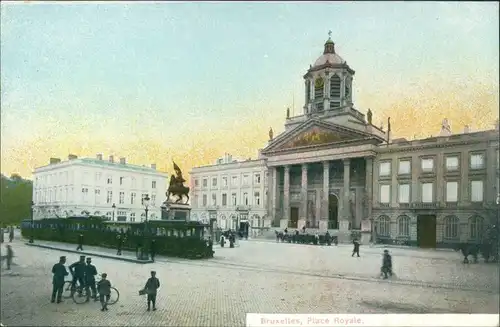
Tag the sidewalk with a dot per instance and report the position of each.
(95, 251)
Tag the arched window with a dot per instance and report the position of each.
(319, 85)
(222, 222)
(384, 226)
(475, 228)
(347, 89)
(451, 225)
(335, 83)
(404, 226)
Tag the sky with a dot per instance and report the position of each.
(156, 82)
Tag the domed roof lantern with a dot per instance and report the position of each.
(329, 45)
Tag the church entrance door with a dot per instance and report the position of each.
(333, 212)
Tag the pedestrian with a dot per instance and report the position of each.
(222, 241)
(355, 250)
(9, 256)
(80, 242)
(151, 288)
(60, 273)
(152, 249)
(11, 234)
(386, 264)
(104, 287)
(77, 271)
(119, 243)
(90, 284)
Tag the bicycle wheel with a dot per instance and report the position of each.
(67, 290)
(114, 296)
(81, 298)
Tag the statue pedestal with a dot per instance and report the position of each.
(343, 225)
(176, 211)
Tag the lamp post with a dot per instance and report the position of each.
(144, 254)
(114, 207)
(32, 223)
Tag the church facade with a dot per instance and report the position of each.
(333, 169)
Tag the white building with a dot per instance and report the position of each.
(97, 187)
(230, 192)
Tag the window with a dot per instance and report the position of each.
(257, 178)
(233, 199)
(224, 199)
(384, 169)
(196, 182)
(451, 224)
(153, 200)
(308, 90)
(234, 181)
(110, 180)
(451, 191)
(245, 180)
(385, 193)
(427, 192)
(214, 199)
(257, 198)
(214, 182)
(132, 217)
(97, 177)
(319, 85)
(347, 90)
(153, 184)
(477, 161)
(205, 182)
(427, 164)
(404, 167)
(132, 197)
(475, 228)
(109, 197)
(383, 226)
(451, 163)
(204, 200)
(97, 194)
(121, 180)
(245, 198)
(142, 198)
(121, 200)
(404, 193)
(335, 83)
(404, 226)
(476, 191)
(133, 182)
(224, 181)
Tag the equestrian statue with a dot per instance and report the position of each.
(176, 186)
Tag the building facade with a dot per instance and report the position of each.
(333, 169)
(97, 187)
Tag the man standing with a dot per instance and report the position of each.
(80, 242)
(11, 234)
(152, 249)
(90, 283)
(151, 288)
(9, 256)
(59, 272)
(356, 247)
(77, 270)
(119, 243)
(386, 264)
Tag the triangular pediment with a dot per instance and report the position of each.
(314, 133)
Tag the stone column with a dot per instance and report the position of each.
(303, 198)
(368, 196)
(286, 198)
(323, 222)
(346, 215)
(273, 188)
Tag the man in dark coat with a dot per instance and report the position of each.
(355, 250)
(11, 234)
(59, 272)
(80, 242)
(152, 249)
(386, 264)
(9, 256)
(77, 270)
(90, 283)
(151, 288)
(119, 244)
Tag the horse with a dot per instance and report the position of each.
(179, 191)
(467, 249)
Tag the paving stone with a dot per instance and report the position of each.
(255, 277)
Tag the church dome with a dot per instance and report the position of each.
(329, 55)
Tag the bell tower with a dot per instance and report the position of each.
(328, 83)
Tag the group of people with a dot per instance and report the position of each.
(230, 236)
(11, 234)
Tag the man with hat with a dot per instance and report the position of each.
(59, 272)
(90, 283)
(77, 270)
(151, 288)
(386, 264)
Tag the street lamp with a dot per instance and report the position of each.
(144, 254)
(114, 207)
(32, 223)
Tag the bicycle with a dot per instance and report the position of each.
(67, 292)
(83, 295)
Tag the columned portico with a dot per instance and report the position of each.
(346, 206)
(303, 197)
(286, 197)
(323, 224)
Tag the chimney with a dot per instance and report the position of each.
(99, 156)
(153, 166)
(72, 157)
(123, 161)
(466, 129)
(111, 159)
(54, 161)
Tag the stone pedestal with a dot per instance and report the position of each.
(176, 211)
(343, 225)
(283, 223)
(365, 238)
(301, 223)
(323, 226)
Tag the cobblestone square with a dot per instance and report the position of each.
(258, 277)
